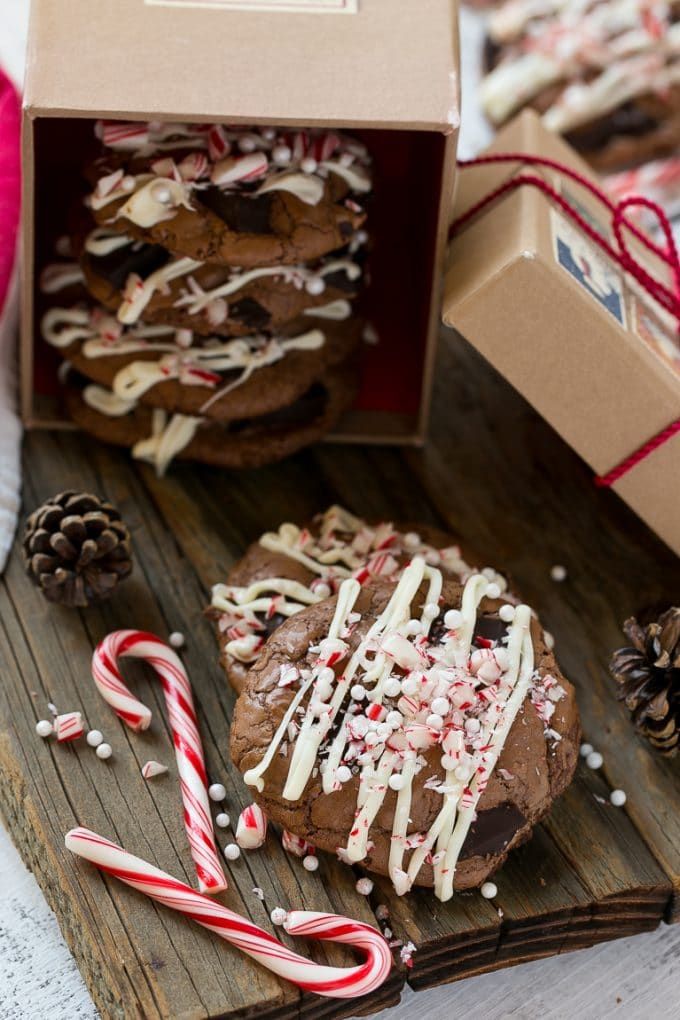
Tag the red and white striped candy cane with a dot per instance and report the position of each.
(137, 644)
(333, 982)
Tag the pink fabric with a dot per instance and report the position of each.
(10, 181)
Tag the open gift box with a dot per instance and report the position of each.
(575, 334)
(387, 72)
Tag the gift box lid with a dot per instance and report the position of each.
(384, 63)
(577, 336)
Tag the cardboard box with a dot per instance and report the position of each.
(387, 71)
(580, 340)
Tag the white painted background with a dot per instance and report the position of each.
(633, 979)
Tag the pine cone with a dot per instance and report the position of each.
(649, 675)
(76, 548)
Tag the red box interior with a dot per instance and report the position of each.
(403, 212)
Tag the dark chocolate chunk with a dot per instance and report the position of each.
(492, 831)
(241, 212)
(346, 228)
(309, 406)
(250, 312)
(142, 259)
(491, 628)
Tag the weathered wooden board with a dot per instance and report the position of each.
(493, 472)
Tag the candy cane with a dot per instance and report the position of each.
(188, 748)
(333, 982)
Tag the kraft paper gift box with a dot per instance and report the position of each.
(580, 339)
(387, 71)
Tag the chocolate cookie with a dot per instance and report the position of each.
(157, 437)
(223, 380)
(142, 281)
(286, 571)
(605, 79)
(238, 197)
(421, 728)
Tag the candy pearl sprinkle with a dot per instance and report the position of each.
(95, 738)
(586, 749)
(489, 890)
(216, 791)
(278, 916)
(176, 639)
(104, 751)
(558, 572)
(310, 863)
(232, 851)
(364, 887)
(44, 728)
(594, 760)
(222, 820)
(617, 798)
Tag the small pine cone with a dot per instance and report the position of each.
(76, 548)
(648, 672)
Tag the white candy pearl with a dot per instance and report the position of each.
(246, 144)
(447, 762)
(128, 183)
(462, 773)
(435, 721)
(617, 798)
(384, 730)
(161, 193)
(326, 675)
(308, 165)
(506, 613)
(453, 619)
(281, 155)
(232, 851)
(176, 639)
(409, 685)
(343, 774)
(44, 728)
(216, 791)
(558, 572)
(358, 692)
(371, 739)
(315, 286)
(431, 611)
(489, 890)
(361, 237)
(364, 887)
(396, 782)
(394, 719)
(392, 687)
(586, 749)
(278, 916)
(322, 590)
(310, 863)
(411, 538)
(493, 591)
(440, 706)
(473, 726)
(95, 738)
(104, 751)
(594, 760)
(222, 820)
(414, 627)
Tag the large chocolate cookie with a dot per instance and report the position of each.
(421, 729)
(158, 437)
(287, 570)
(606, 79)
(226, 380)
(142, 281)
(239, 197)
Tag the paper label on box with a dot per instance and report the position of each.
(656, 328)
(289, 6)
(584, 262)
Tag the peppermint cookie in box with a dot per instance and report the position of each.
(217, 272)
(603, 73)
(287, 570)
(421, 728)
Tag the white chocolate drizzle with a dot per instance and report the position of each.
(373, 711)
(169, 435)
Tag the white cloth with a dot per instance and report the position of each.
(10, 425)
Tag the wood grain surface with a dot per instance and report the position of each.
(493, 472)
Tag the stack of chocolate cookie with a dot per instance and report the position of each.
(210, 312)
